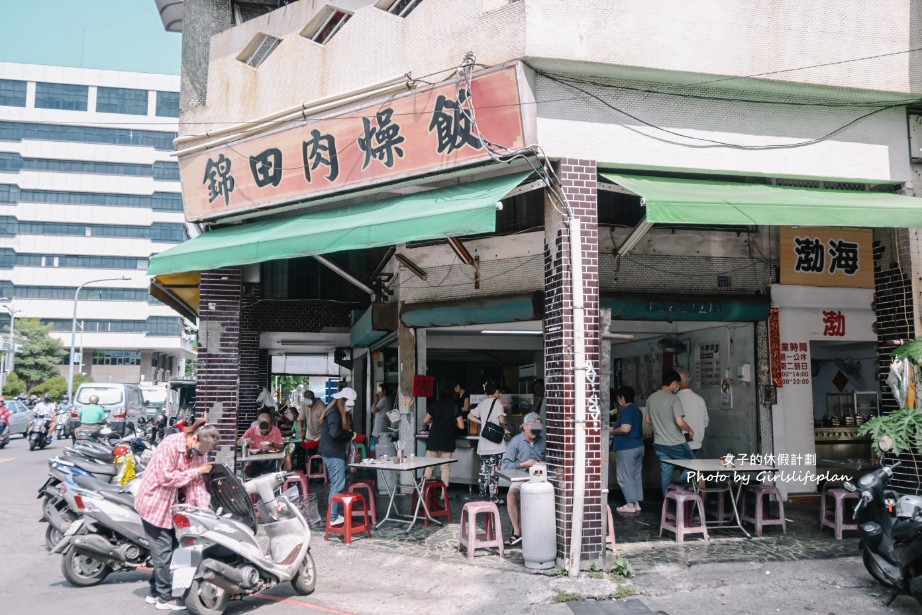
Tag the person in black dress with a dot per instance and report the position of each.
(442, 417)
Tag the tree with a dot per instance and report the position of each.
(191, 368)
(57, 386)
(41, 354)
(14, 386)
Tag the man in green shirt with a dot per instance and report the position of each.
(667, 416)
(92, 413)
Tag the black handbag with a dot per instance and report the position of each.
(491, 431)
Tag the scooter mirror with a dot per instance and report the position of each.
(849, 487)
(885, 443)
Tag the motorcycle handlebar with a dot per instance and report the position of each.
(865, 499)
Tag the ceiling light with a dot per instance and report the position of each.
(510, 332)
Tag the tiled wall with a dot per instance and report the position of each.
(578, 185)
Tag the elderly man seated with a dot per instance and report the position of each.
(524, 450)
(261, 438)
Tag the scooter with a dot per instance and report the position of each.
(38, 432)
(108, 537)
(62, 418)
(220, 557)
(891, 546)
(4, 435)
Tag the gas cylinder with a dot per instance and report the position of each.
(539, 529)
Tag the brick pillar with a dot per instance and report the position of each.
(250, 384)
(578, 183)
(218, 378)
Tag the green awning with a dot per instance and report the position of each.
(465, 209)
(689, 201)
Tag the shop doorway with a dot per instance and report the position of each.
(846, 393)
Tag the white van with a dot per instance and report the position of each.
(123, 403)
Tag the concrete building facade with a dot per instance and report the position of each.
(686, 146)
(90, 192)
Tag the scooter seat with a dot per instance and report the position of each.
(96, 454)
(117, 496)
(90, 466)
(94, 484)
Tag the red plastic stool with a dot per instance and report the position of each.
(761, 514)
(681, 523)
(470, 538)
(317, 471)
(369, 486)
(347, 530)
(301, 481)
(431, 490)
(838, 498)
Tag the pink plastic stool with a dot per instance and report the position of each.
(369, 487)
(469, 536)
(317, 471)
(680, 524)
(347, 530)
(838, 498)
(761, 513)
(301, 481)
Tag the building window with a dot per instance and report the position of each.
(9, 193)
(167, 201)
(164, 326)
(167, 104)
(259, 49)
(400, 8)
(116, 357)
(125, 101)
(55, 165)
(325, 25)
(62, 96)
(168, 233)
(18, 131)
(166, 171)
(10, 163)
(8, 228)
(12, 93)
(7, 258)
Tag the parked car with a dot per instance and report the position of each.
(155, 398)
(123, 403)
(19, 417)
(182, 399)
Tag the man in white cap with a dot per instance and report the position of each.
(334, 438)
(524, 450)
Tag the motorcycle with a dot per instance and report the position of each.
(62, 418)
(38, 432)
(891, 545)
(220, 557)
(108, 537)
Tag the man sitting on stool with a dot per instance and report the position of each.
(524, 450)
(261, 438)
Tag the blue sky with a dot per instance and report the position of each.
(111, 34)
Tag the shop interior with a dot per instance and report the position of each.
(846, 393)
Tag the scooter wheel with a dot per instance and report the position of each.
(305, 580)
(31, 445)
(205, 598)
(871, 565)
(82, 570)
(52, 536)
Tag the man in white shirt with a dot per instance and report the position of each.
(696, 411)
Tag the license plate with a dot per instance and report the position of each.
(74, 528)
(184, 565)
(66, 539)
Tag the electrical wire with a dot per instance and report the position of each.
(714, 142)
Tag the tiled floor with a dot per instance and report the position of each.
(637, 538)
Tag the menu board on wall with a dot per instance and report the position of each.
(827, 256)
(708, 364)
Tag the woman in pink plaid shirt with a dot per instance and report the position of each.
(177, 467)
